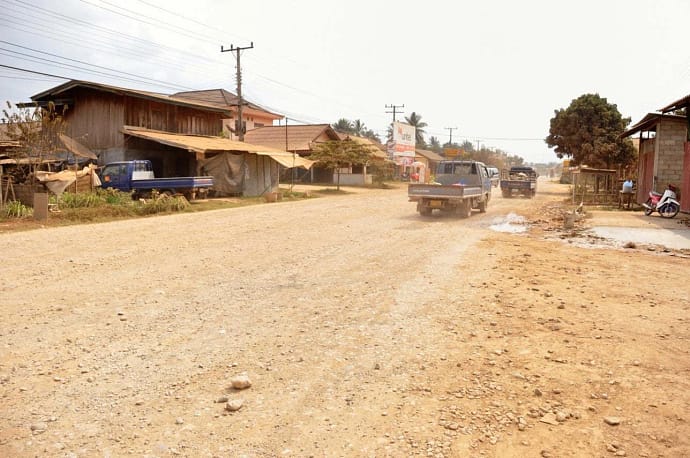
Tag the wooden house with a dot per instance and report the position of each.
(253, 115)
(297, 139)
(661, 140)
(429, 159)
(118, 124)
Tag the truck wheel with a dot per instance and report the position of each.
(465, 209)
(505, 192)
(482, 205)
(425, 211)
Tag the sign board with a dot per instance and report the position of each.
(403, 143)
(451, 152)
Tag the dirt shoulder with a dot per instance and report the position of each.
(365, 330)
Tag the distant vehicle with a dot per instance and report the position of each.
(137, 177)
(495, 176)
(519, 180)
(460, 186)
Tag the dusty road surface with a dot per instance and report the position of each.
(364, 329)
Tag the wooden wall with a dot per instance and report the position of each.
(96, 118)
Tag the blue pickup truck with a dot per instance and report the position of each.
(137, 177)
(460, 186)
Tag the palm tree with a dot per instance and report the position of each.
(416, 120)
(435, 144)
(343, 125)
(358, 128)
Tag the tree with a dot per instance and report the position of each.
(36, 131)
(358, 128)
(588, 131)
(435, 145)
(343, 125)
(415, 120)
(337, 154)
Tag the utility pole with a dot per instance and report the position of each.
(395, 107)
(239, 126)
(451, 129)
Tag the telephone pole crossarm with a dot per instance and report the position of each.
(239, 126)
(394, 108)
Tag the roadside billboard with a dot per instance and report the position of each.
(403, 143)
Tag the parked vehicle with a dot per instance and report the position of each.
(460, 187)
(666, 204)
(137, 177)
(519, 180)
(495, 176)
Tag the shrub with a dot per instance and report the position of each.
(164, 203)
(16, 209)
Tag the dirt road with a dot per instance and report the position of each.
(365, 330)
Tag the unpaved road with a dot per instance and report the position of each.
(365, 330)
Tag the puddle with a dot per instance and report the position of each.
(677, 239)
(511, 223)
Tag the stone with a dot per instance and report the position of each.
(234, 405)
(240, 382)
(549, 419)
(613, 421)
(39, 427)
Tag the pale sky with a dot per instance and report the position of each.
(493, 71)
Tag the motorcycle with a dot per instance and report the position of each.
(666, 204)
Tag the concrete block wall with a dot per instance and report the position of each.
(670, 140)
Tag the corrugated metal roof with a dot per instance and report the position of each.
(648, 123)
(300, 137)
(65, 87)
(429, 155)
(221, 98)
(677, 105)
(204, 144)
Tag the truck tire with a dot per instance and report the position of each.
(423, 210)
(465, 209)
(505, 192)
(483, 204)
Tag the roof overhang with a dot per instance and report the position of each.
(59, 95)
(677, 105)
(649, 123)
(205, 144)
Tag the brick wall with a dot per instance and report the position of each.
(670, 140)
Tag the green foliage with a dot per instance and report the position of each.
(588, 131)
(97, 198)
(415, 120)
(382, 171)
(16, 209)
(163, 204)
(338, 154)
(355, 127)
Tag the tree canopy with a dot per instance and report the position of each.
(415, 120)
(355, 127)
(337, 154)
(588, 131)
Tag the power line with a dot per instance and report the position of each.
(163, 83)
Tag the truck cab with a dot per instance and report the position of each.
(119, 175)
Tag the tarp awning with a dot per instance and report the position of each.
(288, 160)
(77, 148)
(204, 144)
